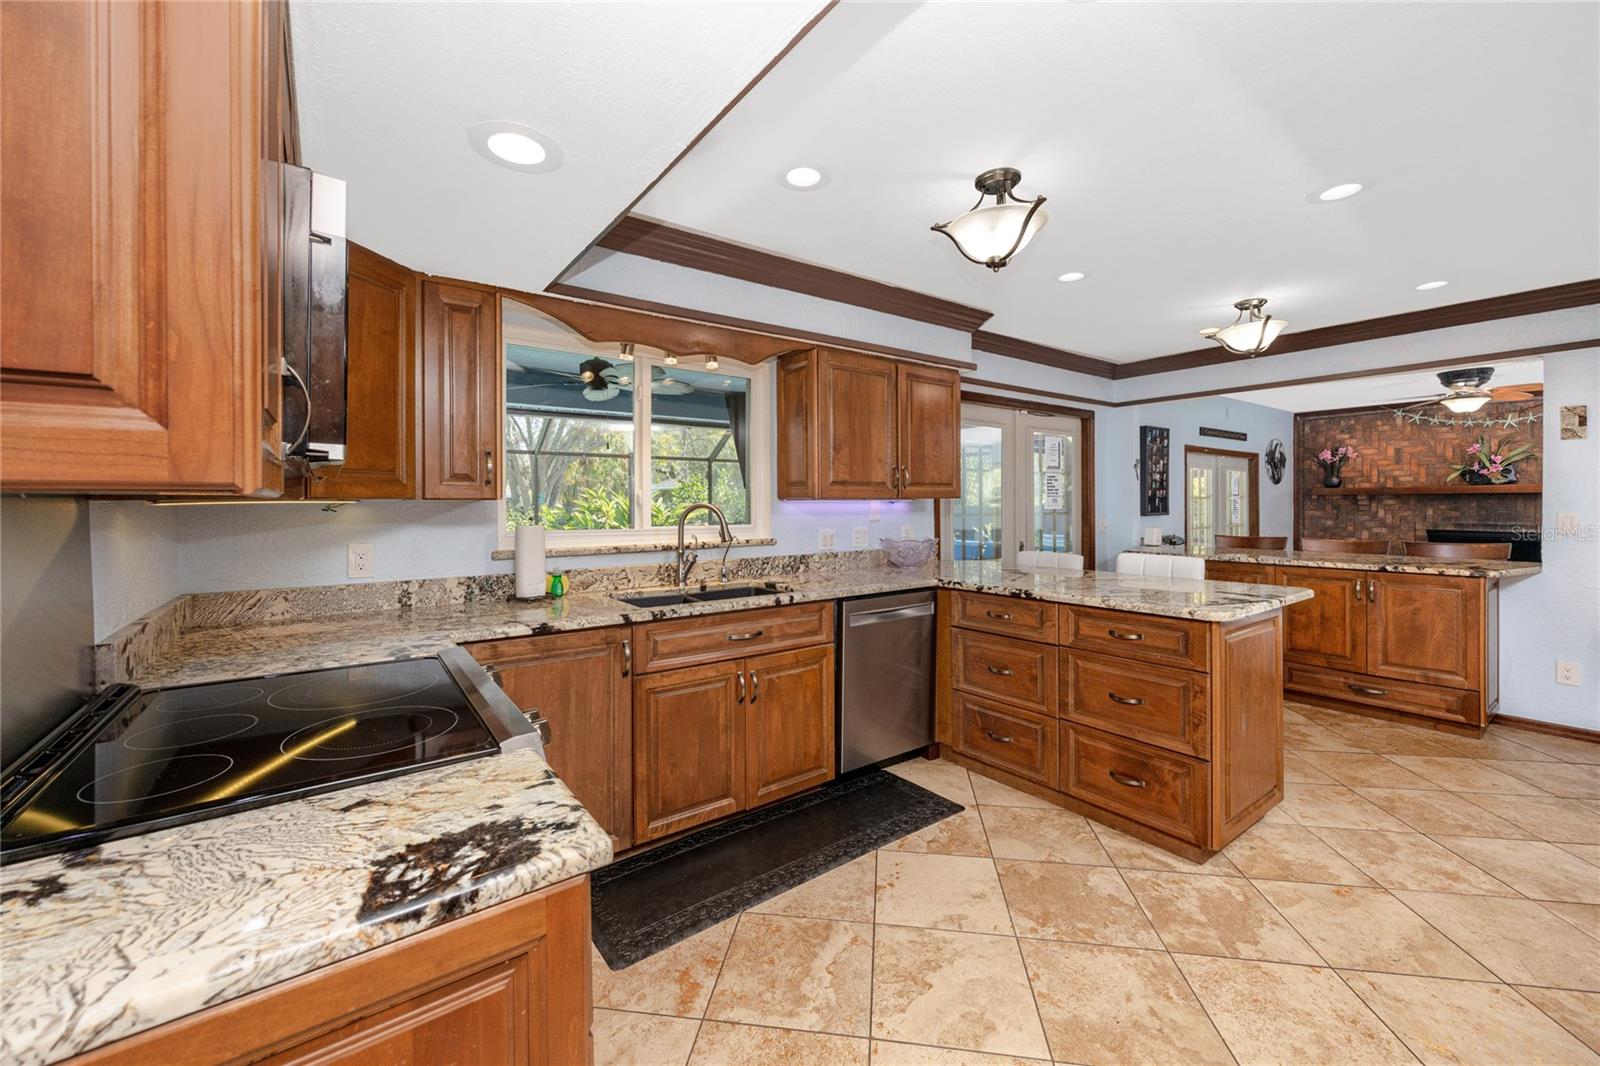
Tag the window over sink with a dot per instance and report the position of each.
(607, 443)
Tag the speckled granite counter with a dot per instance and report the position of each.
(1392, 564)
(104, 943)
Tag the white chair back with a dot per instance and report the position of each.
(1168, 566)
(1042, 562)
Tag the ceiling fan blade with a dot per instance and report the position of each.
(1517, 392)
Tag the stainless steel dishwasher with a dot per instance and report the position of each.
(885, 677)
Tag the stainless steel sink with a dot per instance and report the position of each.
(674, 598)
(735, 592)
(656, 599)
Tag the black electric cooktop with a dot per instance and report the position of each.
(132, 761)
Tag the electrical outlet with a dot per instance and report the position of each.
(1566, 524)
(858, 537)
(1568, 674)
(825, 539)
(906, 532)
(358, 561)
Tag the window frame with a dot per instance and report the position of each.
(762, 441)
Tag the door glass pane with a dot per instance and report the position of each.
(1051, 455)
(1233, 505)
(975, 515)
(1202, 484)
(699, 445)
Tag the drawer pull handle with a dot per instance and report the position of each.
(1117, 634)
(996, 737)
(744, 636)
(1368, 690)
(1131, 701)
(1004, 616)
(999, 671)
(739, 677)
(1126, 779)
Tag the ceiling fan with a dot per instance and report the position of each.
(600, 380)
(1466, 390)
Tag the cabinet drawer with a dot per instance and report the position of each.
(711, 638)
(1012, 739)
(1016, 670)
(1150, 639)
(1157, 788)
(1434, 701)
(1158, 705)
(1029, 619)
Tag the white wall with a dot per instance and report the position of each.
(1555, 615)
(133, 553)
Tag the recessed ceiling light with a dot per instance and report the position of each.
(1072, 275)
(514, 146)
(804, 178)
(1426, 285)
(1340, 192)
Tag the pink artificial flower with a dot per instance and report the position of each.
(1494, 468)
(1474, 448)
(1497, 459)
(1325, 455)
(1344, 450)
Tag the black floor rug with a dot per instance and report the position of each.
(648, 903)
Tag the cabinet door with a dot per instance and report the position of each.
(134, 324)
(688, 748)
(856, 399)
(930, 432)
(461, 382)
(1330, 629)
(789, 708)
(797, 428)
(579, 682)
(1426, 627)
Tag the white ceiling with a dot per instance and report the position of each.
(386, 93)
(1180, 146)
(1386, 389)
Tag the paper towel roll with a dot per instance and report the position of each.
(1152, 536)
(530, 562)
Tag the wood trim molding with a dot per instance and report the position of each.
(1532, 302)
(657, 240)
(1029, 390)
(1016, 348)
(984, 399)
(1534, 725)
(809, 338)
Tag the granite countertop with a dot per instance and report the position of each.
(1391, 564)
(103, 943)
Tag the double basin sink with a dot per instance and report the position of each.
(675, 597)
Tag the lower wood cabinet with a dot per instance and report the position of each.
(789, 731)
(688, 748)
(509, 985)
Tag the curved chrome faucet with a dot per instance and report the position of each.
(727, 539)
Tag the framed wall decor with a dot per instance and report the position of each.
(1155, 470)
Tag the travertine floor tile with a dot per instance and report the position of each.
(1498, 744)
(798, 973)
(1133, 854)
(1449, 1022)
(1585, 916)
(1589, 853)
(1368, 929)
(889, 1053)
(724, 1044)
(1546, 817)
(1304, 738)
(1569, 779)
(1358, 769)
(960, 834)
(1468, 775)
(624, 1039)
(1291, 853)
(1272, 1013)
(1413, 861)
(1058, 901)
(960, 990)
(674, 981)
(991, 793)
(1335, 806)
(1567, 749)
(1441, 812)
(1532, 867)
(1578, 1012)
(1518, 939)
(940, 892)
(1118, 1005)
(844, 893)
(1298, 770)
(1047, 835)
(936, 775)
(1216, 916)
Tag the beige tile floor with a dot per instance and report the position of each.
(1418, 897)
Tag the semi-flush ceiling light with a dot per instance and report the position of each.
(711, 362)
(803, 178)
(1072, 275)
(1428, 285)
(1340, 192)
(514, 146)
(670, 359)
(1251, 333)
(990, 235)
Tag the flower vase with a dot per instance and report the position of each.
(1331, 480)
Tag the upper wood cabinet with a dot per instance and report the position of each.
(462, 382)
(854, 426)
(136, 206)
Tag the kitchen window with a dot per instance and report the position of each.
(606, 444)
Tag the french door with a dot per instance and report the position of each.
(1219, 494)
(1021, 485)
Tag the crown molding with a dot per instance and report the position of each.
(1017, 348)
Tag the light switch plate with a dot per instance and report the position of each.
(1568, 674)
(825, 539)
(906, 532)
(1566, 524)
(358, 561)
(858, 537)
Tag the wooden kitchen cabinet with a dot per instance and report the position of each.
(1330, 629)
(509, 985)
(137, 210)
(1427, 628)
(789, 706)
(688, 748)
(462, 383)
(855, 426)
(579, 683)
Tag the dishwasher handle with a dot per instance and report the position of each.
(890, 614)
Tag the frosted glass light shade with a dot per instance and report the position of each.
(1464, 404)
(1250, 336)
(988, 232)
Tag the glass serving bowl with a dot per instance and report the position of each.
(909, 551)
